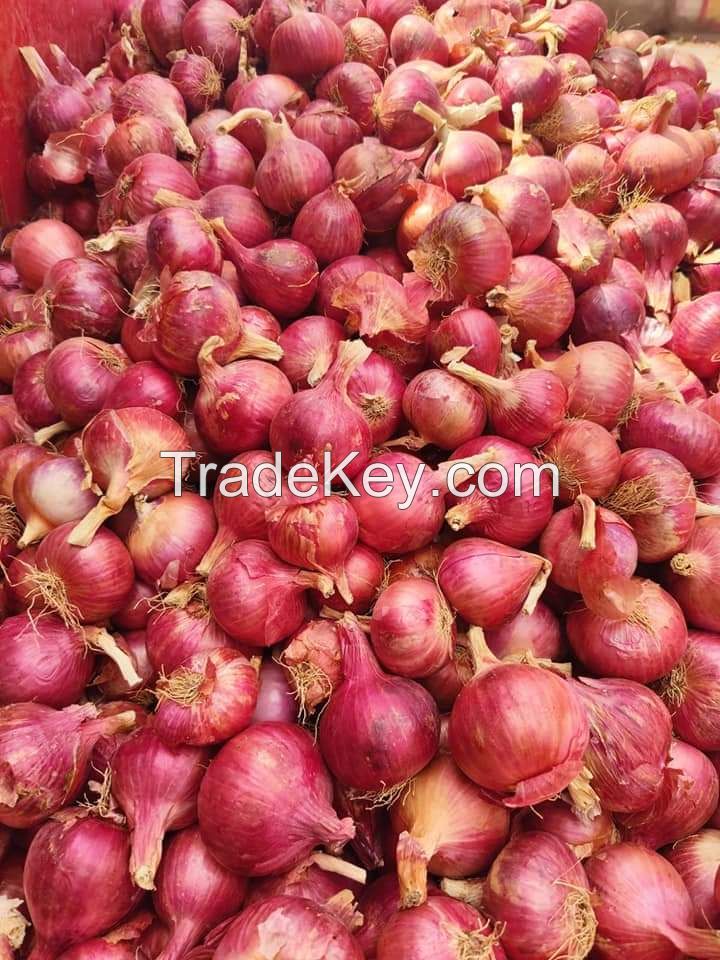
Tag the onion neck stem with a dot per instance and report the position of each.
(703, 509)
(483, 659)
(589, 515)
(339, 866)
(468, 891)
(38, 68)
(98, 639)
(662, 118)
(84, 531)
(517, 143)
(483, 381)
(264, 117)
(537, 587)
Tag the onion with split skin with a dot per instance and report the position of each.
(537, 300)
(528, 759)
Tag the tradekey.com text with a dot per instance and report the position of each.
(460, 478)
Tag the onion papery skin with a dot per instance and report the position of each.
(412, 629)
(255, 597)
(175, 635)
(655, 495)
(584, 837)
(463, 252)
(697, 860)
(313, 661)
(686, 800)
(630, 736)
(48, 494)
(641, 900)
(694, 575)
(579, 244)
(539, 891)
(84, 298)
(309, 347)
(468, 327)
(71, 857)
(683, 431)
(527, 761)
(157, 788)
(45, 661)
(442, 928)
(690, 689)
(354, 743)
(514, 518)
(45, 754)
(587, 457)
(537, 299)
(445, 827)
(270, 830)
(512, 580)
(169, 537)
(293, 921)
(80, 373)
(194, 893)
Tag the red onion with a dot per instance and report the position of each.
(180, 239)
(149, 385)
(463, 158)
(244, 517)
(584, 837)
(280, 275)
(275, 701)
(364, 571)
(431, 200)
(121, 451)
(313, 661)
(538, 890)
(12, 459)
(664, 158)
(270, 92)
(76, 857)
(84, 298)
(245, 217)
(235, 404)
(131, 671)
(523, 208)
(653, 237)
(412, 629)
(329, 128)
(515, 517)
(365, 42)
(695, 339)
(194, 893)
(655, 495)
(309, 346)
(594, 176)
(169, 537)
(135, 193)
(442, 410)
(580, 29)
(529, 407)
(56, 107)
(693, 576)
(299, 928)
(548, 172)
(526, 761)
(686, 800)
(464, 251)
(46, 754)
(531, 81)
(586, 371)
(314, 879)
(398, 124)
(223, 161)
(684, 112)
(138, 135)
(48, 494)
(39, 245)
(445, 827)
(641, 904)
(19, 342)
(471, 328)
(443, 928)
(156, 96)
(45, 661)
(161, 22)
(587, 458)
(380, 193)
(697, 860)
(579, 244)
(353, 87)
(537, 632)
(305, 46)
(176, 633)
(353, 741)
(684, 431)
(619, 70)
(699, 206)
(128, 245)
(537, 299)
(630, 734)
(608, 311)
(215, 29)
(329, 225)
(197, 80)
(413, 37)
(157, 788)
(689, 691)
(336, 277)
(207, 700)
(281, 807)
(323, 423)
(255, 597)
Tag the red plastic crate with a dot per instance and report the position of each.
(79, 27)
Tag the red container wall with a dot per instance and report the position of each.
(79, 27)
